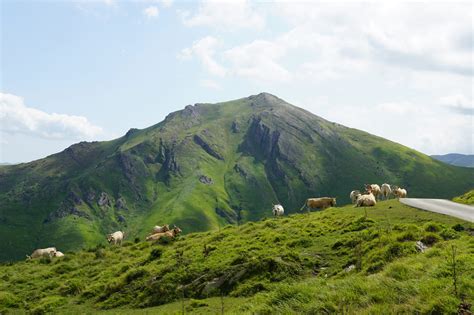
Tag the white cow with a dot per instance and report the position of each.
(58, 254)
(354, 195)
(366, 200)
(386, 191)
(160, 229)
(374, 188)
(116, 237)
(42, 252)
(400, 192)
(278, 210)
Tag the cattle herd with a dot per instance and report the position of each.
(115, 238)
(368, 198)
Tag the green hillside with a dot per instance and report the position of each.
(294, 264)
(202, 168)
(467, 198)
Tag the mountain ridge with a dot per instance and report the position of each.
(203, 167)
(457, 159)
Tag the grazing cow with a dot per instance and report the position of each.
(366, 200)
(171, 234)
(58, 254)
(374, 188)
(400, 192)
(116, 237)
(386, 191)
(321, 203)
(354, 195)
(42, 252)
(160, 229)
(278, 210)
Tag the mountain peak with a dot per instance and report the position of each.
(265, 99)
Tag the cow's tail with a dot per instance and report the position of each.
(304, 206)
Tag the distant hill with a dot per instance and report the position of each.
(466, 160)
(202, 168)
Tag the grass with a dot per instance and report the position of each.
(467, 198)
(293, 264)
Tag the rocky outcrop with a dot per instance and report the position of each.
(235, 127)
(68, 207)
(206, 180)
(261, 140)
(120, 204)
(104, 200)
(207, 147)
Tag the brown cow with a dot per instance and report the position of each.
(171, 234)
(322, 203)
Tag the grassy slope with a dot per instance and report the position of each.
(290, 264)
(467, 198)
(313, 157)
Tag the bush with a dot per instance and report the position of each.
(407, 236)
(432, 227)
(71, 288)
(99, 253)
(48, 305)
(430, 239)
(8, 299)
(155, 254)
(198, 303)
(448, 234)
(458, 227)
(135, 274)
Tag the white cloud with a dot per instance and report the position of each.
(427, 127)
(258, 60)
(17, 118)
(458, 103)
(225, 15)
(110, 2)
(210, 84)
(166, 3)
(204, 50)
(151, 12)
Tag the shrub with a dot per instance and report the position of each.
(135, 274)
(99, 253)
(71, 288)
(155, 253)
(198, 303)
(430, 239)
(45, 260)
(407, 236)
(47, 305)
(458, 227)
(8, 299)
(448, 234)
(165, 240)
(432, 227)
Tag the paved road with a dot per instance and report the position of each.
(447, 207)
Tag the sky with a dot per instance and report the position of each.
(90, 70)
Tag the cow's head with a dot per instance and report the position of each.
(176, 230)
(110, 238)
(333, 202)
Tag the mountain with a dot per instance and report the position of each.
(341, 260)
(203, 167)
(466, 160)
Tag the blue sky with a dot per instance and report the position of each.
(90, 70)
